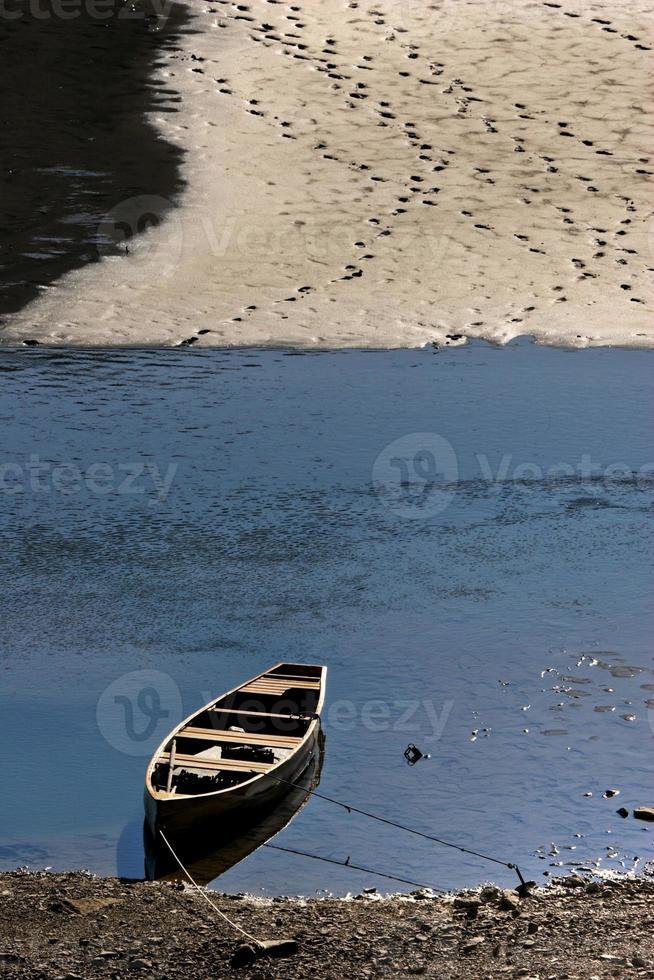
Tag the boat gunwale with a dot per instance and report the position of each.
(161, 796)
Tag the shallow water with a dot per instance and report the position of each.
(453, 605)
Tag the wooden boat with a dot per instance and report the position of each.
(235, 757)
(208, 855)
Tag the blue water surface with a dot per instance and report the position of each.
(463, 537)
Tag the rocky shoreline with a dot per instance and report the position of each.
(77, 925)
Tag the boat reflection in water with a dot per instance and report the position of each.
(213, 851)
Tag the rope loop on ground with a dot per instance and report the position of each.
(202, 892)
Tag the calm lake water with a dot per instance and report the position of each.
(175, 521)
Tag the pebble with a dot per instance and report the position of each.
(278, 947)
(243, 955)
(469, 904)
(508, 901)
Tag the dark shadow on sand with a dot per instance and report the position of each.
(74, 141)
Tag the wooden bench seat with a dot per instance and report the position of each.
(215, 765)
(268, 685)
(301, 678)
(257, 714)
(241, 738)
(289, 680)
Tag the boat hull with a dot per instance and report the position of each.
(209, 811)
(208, 855)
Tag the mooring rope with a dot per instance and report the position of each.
(355, 867)
(202, 892)
(399, 826)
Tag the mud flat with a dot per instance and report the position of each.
(387, 174)
(76, 925)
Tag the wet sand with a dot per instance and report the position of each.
(76, 925)
(390, 174)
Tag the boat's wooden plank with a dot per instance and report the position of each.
(283, 686)
(268, 680)
(265, 687)
(217, 765)
(296, 678)
(241, 738)
(305, 678)
(308, 682)
(257, 714)
(171, 766)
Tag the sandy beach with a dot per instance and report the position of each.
(383, 175)
(77, 925)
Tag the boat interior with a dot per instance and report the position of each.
(244, 733)
(215, 846)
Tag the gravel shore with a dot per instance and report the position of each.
(76, 925)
